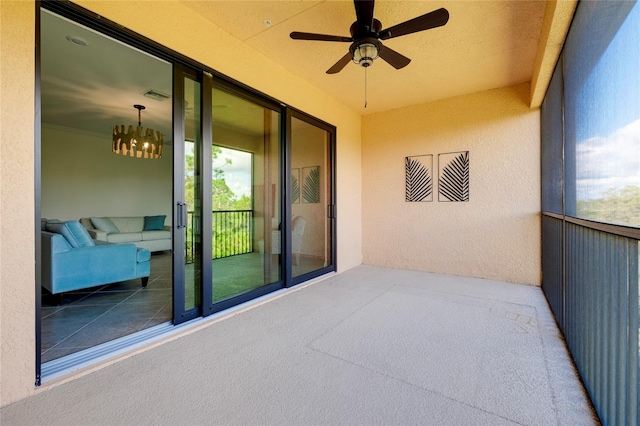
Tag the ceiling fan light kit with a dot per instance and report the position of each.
(367, 33)
(364, 52)
(138, 143)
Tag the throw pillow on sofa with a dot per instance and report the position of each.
(73, 232)
(104, 224)
(154, 223)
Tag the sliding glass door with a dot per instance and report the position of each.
(245, 191)
(227, 196)
(312, 202)
(86, 99)
(189, 203)
(239, 235)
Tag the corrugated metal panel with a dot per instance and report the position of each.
(552, 265)
(601, 319)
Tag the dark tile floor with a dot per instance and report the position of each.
(90, 317)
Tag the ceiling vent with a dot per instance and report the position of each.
(156, 95)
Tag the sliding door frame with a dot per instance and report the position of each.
(180, 72)
(330, 208)
(37, 154)
(267, 103)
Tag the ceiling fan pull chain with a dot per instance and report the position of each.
(365, 87)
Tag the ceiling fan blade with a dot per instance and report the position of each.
(337, 67)
(434, 19)
(364, 13)
(394, 59)
(297, 35)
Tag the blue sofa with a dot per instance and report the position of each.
(71, 260)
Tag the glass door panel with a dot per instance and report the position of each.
(311, 198)
(192, 195)
(80, 178)
(188, 223)
(245, 163)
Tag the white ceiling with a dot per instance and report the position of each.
(485, 45)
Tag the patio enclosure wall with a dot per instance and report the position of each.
(494, 235)
(597, 310)
(590, 126)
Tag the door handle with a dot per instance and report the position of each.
(331, 212)
(182, 215)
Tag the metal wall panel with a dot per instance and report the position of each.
(552, 266)
(601, 319)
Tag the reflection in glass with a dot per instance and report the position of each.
(245, 194)
(192, 183)
(311, 196)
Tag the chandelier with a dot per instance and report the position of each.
(138, 143)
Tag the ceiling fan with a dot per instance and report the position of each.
(367, 33)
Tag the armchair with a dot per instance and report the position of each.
(297, 232)
(71, 260)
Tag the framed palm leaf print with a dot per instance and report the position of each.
(418, 184)
(453, 181)
(295, 186)
(311, 184)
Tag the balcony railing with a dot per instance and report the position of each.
(232, 233)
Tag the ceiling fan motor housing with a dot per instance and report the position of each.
(358, 32)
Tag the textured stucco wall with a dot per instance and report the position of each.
(555, 25)
(496, 235)
(17, 241)
(178, 28)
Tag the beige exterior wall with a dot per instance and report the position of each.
(496, 235)
(180, 29)
(17, 273)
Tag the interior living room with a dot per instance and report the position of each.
(447, 212)
(80, 181)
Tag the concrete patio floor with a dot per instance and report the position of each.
(369, 346)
